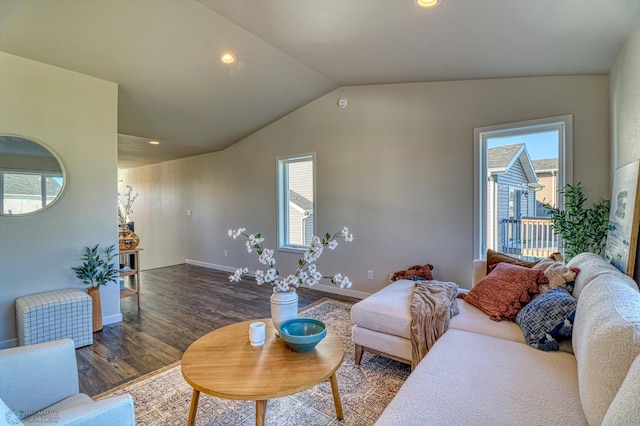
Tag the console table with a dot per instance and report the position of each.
(134, 290)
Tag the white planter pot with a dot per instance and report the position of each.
(284, 306)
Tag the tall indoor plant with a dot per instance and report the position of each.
(97, 269)
(582, 229)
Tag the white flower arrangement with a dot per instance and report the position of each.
(126, 209)
(306, 273)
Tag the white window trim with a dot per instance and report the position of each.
(283, 201)
(563, 124)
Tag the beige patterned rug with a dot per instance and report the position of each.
(163, 397)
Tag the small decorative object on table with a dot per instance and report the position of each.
(302, 334)
(127, 239)
(284, 300)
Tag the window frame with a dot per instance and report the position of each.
(563, 124)
(282, 201)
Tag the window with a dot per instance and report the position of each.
(22, 193)
(519, 166)
(296, 202)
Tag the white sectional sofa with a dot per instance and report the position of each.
(480, 372)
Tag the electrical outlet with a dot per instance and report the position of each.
(370, 275)
(225, 253)
(189, 212)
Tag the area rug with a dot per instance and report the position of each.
(163, 397)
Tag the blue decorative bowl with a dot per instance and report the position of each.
(302, 334)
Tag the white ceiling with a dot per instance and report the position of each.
(173, 88)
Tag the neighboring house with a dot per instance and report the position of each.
(547, 171)
(26, 192)
(511, 195)
(301, 203)
(300, 219)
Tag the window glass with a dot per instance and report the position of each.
(296, 202)
(519, 166)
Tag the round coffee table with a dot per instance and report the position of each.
(224, 364)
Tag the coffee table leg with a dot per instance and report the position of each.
(261, 408)
(336, 396)
(194, 408)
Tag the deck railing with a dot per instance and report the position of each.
(529, 236)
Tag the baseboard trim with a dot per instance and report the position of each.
(112, 319)
(322, 287)
(11, 343)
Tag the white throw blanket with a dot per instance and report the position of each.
(432, 305)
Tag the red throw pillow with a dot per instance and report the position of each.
(494, 257)
(423, 271)
(505, 291)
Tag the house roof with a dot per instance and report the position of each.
(545, 165)
(302, 202)
(501, 158)
(24, 184)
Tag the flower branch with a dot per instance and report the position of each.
(306, 272)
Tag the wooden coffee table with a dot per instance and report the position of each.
(224, 364)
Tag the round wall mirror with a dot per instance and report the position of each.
(31, 176)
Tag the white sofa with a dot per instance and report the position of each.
(39, 386)
(481, 372)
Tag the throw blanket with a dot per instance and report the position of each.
(432, 305)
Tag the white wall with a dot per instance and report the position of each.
(396, 166)
(76, 116)
(625, 110)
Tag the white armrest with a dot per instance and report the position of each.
(479, 268)
(37, 376)
(117, 410)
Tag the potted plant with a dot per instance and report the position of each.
(97, 269)
(582, 229)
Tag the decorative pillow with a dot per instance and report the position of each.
(547, 318)
(493, 258)
(559, 274)
(506, 289)
(423, 271)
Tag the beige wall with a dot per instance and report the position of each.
(625, 109)
(396, 166)
(76, 116)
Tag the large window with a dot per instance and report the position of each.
(518, 167)
(296, 201)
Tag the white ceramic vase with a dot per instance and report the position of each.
(284, 306)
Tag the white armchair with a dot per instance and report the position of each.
(39, 385)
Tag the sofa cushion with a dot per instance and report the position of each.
(505, 290)
(547, 318)
(387, 310)
(625, 407)
(558, 274)
(606, 340)
(494, 257)
(471, 318)
(591, 266)
(472, 379)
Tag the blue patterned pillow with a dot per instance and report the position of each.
(547, 318)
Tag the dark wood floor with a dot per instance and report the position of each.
(178, 305)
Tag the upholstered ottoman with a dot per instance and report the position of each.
(54, 315)
(383, 322)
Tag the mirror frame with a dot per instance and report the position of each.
(60, 163)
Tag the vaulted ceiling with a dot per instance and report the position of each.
(164, 54)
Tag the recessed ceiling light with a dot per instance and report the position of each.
(154, 142)
(427, 3)
(228, 58)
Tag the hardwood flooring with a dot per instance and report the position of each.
(178, 304)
